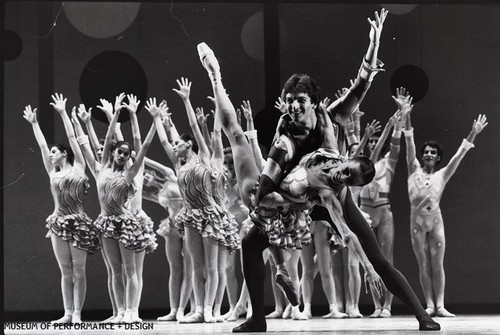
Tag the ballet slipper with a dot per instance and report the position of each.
(228, 313)
(274, 315)
(179, 315)
(238, 311)
(427, 324)
(76, 318)
(208, 315)
(335, 314)
(307, 312)
(136, 317)
(376, 313)
(431, 311)
(128, 317)
(287, 313)
(251, 326)
(386, 313)
(298, 315)
(64, 319)
(442, 312)
(108, 320)
(169, 317)
(193, 318)
(353, 313)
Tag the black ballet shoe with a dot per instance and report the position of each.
(286, 286)
(428, 325)
(251, 326)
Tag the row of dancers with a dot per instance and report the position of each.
(315, 198)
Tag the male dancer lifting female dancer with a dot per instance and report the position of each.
(298, 92)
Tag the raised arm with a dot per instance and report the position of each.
(139, 159)
(85, 116)
(30, 116)
(203, 123)
(83, 140)
(411, 158)
(383, 137)
(370, 129)
(165, 170)
(108, 140)
(477, 127)
(184, 91)
(59, 104)
(251, 134)
(342, 108)
(168, 123)
(107, 108)
(132, 106)
(155, 112)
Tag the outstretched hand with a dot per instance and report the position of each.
(29, 114)
(479, 124)
(372, 128)
(201, 116)
(153, 108)
(377, 25)
(402, 97)
(59, 102)
(118, 101)
(184, 88)
(324, 103)
(107, 108)
(280, 105)
(83, 113)
(133, 103)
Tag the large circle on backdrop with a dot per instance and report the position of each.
(13, 45)
(107, 75)
(413, 78)
(398, 9)
(252, 36)
(265, 122)
(101, 19)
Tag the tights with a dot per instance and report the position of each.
(254, 243)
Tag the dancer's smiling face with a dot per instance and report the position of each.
(299, 106)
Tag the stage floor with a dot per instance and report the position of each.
(399, 324)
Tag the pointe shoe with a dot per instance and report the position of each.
(274, 315)
(193, 318)
(168, 317)
(431, 311)
(76, 318)
(251, 326)
(335, 314)
(286, 286)
(307, 313)
(442, 312)
(386, 313)
(376, 313)
(118, 319)
(128, 318)
(208, 60)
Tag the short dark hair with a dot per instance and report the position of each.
(367, 168)
(433, 144)
(188, 137)
(302, 83)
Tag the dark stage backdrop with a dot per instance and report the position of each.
(449, 52)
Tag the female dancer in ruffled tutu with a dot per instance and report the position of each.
(201, 218)
(71, 231)
(121, 231)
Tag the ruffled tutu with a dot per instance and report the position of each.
(285, 230)
(147, 227)
(78, 229)
(125, 228)
(212, 223)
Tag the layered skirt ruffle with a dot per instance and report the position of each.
(78, 229)
(147, 228)
(211, 222)
(285, 230)
(125, 228)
